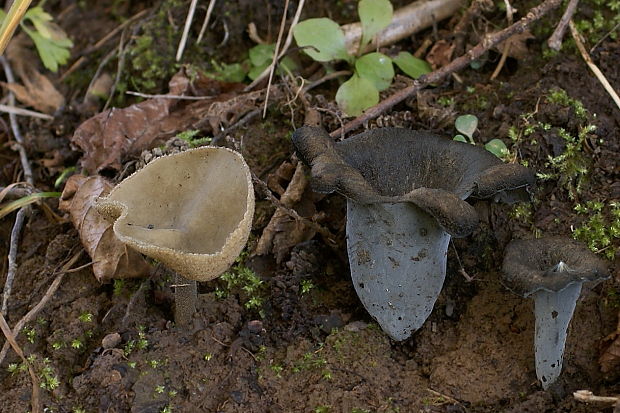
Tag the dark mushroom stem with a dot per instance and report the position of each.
(185, 299)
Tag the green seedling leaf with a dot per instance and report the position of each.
(460, 138)
(9, 207)
(52, 53)
(377, 68)
(262, 54)
(411, 65)
(356, 95)
(322, 39)
(497, 147)
(50, 40)
(375, 16)
(466, 124)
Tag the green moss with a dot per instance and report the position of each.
(601, 228)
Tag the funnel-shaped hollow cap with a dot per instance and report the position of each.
(192, 211)
(391, 165)
(549, 264)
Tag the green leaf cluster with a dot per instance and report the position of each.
(259, 59)
(50, 40)
(323, 40)
(467, 125)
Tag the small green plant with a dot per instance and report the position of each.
(49, 380)
(118, 286)
(50, 40)
(467, 125)
(31, 334)
(277, 369)
(142, 343)
(322, 409)
(78, 410)
(86, 317)
(154, 363)
(306, 286)
(208, 356)
(160, 389)
(166, 409)
(601, 230)
(244, 280)
(189, 136)
(57, 345)
(323, 40)
(259, 58)
(77, 344)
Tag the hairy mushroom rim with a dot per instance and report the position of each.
(192, 211)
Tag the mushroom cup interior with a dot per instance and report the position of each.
(192, 210)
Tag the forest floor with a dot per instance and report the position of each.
(283, 330)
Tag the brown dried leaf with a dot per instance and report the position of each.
(518, 45)
(440, 54)
(112, 258)
(107, 138)
(37, 90)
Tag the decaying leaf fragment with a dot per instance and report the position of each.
(111, 258)
(37, 90)
(109, 137)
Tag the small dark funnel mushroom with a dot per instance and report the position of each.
(552, 270)
(405, 195)
(192, 211)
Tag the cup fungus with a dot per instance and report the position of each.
(552, 270)
(192, 211)
(405, 195)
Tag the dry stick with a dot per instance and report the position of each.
(188, 23)
(272, 66)
(78, 63)
(44, 300)
(587, 396)
(10, 338)
(599, 75)
(555, 41)
(24, 112)
(205, 23)
(457, 64)
(179, 97)
(507, 44)
(21, 214)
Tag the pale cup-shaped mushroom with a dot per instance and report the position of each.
(192, 211)
(551, 270)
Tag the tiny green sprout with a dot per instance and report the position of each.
(160, 389)
(41, 321)
(31, 334)
(31, 358)
(154, 363)
(86, 317)
(322, 409)
(466, 124)
(208, 356)
(327, 375)
(129, 346)
(445, 101)
(358, 410)
(306, 286)
(142, 343)
(166, 409)
(277, 369)
(78, 410)
(13, 368)
(77, 344)
(172, 394)
(66, 173)
(118, 286)
(131, 364)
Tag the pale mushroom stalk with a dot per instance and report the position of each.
(192, 211)
(529, 269)
(405, 195)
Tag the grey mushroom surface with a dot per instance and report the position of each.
(551, 270)
(406, 194)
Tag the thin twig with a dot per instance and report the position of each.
(133, 300)
(188, 24)
(180, 97)
(205, 23)
(119, 69)
(327, 77)
(594, 68)
(287, 43)
(597, 44)
(44, 300)
(102, 64)
(15, 126)
(587, 396)
(10, 338)
(12, 258)
(457, 64)
(507, 43)
(25, 112)
(555, 41)
(272, 66)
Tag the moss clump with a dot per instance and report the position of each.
(601, 228)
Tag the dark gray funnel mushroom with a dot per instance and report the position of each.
(552, 270)
(405, 197)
